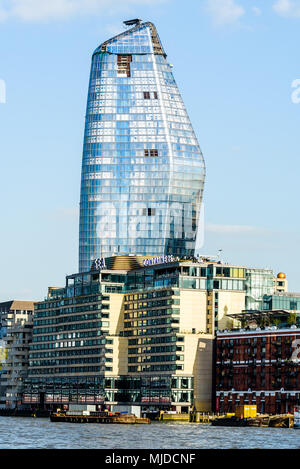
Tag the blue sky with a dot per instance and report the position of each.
(234, 62)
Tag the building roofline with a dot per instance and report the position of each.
(258, 330)
(157, 45)
(17, 304)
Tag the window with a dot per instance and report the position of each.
(151, 152)
(146, 95)
(149, 211)
(123, 62)
(155, 95)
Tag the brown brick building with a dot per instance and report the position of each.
(258, 366)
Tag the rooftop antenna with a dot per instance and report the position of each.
(219, 253)
(135, 22)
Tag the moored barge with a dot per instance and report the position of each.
(98, 417)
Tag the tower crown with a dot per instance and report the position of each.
(142, 38)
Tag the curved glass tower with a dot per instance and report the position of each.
(142, 171)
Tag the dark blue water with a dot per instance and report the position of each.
(24, 433)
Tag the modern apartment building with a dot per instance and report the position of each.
(142, 169)
(134, 329)
(15, 337)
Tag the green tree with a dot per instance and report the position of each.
(275, 321)
(244, 322)
(292, 318)
(261, 322)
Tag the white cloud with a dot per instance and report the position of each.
(35, 10)
(233, 229)
(3, 13)
(256, 11)
(39, 10)
(287, 8)
(64, 213)
(224, 11)
(113, 29)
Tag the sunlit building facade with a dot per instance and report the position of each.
(143, 171)
(136, 331)
(15, 337)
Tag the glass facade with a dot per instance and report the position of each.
(259, 282)
(143, 171)
(286, 301)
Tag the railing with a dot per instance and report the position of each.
(283, 326)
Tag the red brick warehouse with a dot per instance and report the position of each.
(258, 366)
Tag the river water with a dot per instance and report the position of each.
(21, 433)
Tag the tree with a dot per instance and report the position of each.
(275, 321)
(261, 322)
(244, 322)
(292, 318)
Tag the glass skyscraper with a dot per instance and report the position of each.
(142, 171)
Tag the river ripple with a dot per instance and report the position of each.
(21, 433)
